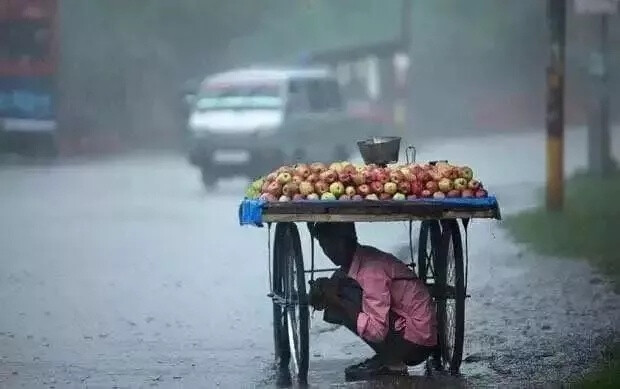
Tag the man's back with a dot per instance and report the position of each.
(389, 285)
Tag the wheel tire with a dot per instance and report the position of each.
(430, 235)
(451, 322)
(208, 180)
(291, 284)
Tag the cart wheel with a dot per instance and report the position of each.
(428, 246)
(428, 254)
(292, 332)
(450, 281)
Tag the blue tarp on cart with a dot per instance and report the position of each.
(251, 211)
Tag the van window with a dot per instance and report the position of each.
(324, 95)
(256, 96)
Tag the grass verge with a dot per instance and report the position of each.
(588, 228)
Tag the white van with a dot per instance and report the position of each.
(250, 121)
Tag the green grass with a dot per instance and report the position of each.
(589, 229)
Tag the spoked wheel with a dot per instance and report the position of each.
(291, 327)
(450, 283)
(428, 249)
(428, 253)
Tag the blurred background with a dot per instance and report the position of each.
(123, 265)
(120, 69)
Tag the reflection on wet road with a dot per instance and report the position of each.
(124, 273)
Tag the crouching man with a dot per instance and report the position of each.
(377, 297)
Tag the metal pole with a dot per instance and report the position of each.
(599, 157)
(555, 105)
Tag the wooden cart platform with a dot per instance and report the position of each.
(255, 212)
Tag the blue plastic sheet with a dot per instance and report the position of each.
(251, 211)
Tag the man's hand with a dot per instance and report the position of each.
(323, 292)
(330, 291)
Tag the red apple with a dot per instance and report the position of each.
(364, 189)
(268, 197)
(302, 170)
(285, 169)
(297, 179)
(416, 188)
(313, 177)
(396, 176)
(275, 189)
(445, 185)
(376, 187)
(345, 177)
(317, 167)
(379, 174)
(298, 197)
(349, 168)
(407, 174)
(385, 196)
(329, 176)
(439, 195)
(290, 189)
(426, 193)
(313, 196)
(467, 193)
(474, 185)
(367, 174)
(321, 187)
(412, 197)
(357, 197)
(344, 197)
(480, 193)
(358, 178)
(350, 191)
(435, 175)
(454, 193)
(404, 187)
(424, 176)
(271, 176)
(432, 186)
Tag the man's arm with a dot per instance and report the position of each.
(372, 322)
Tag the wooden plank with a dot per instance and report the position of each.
(385, 217)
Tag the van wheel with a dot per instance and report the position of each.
(340, 153)
(208, 179)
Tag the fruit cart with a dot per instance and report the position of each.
(441, 262)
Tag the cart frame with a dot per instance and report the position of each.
(441, 261)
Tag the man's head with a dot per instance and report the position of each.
(338, 241)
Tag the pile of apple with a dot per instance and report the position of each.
(346, 181)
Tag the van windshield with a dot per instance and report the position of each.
(255, 96)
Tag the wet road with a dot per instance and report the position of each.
(124, 273)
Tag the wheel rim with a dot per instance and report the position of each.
(292, 313)
(450, 304)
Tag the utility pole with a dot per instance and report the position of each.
(555, 105)
(599, 155)
(402, 65)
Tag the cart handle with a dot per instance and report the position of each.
(410, 150)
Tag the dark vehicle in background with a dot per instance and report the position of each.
(247, 122)
(28, 70)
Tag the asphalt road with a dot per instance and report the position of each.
(125, 273)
